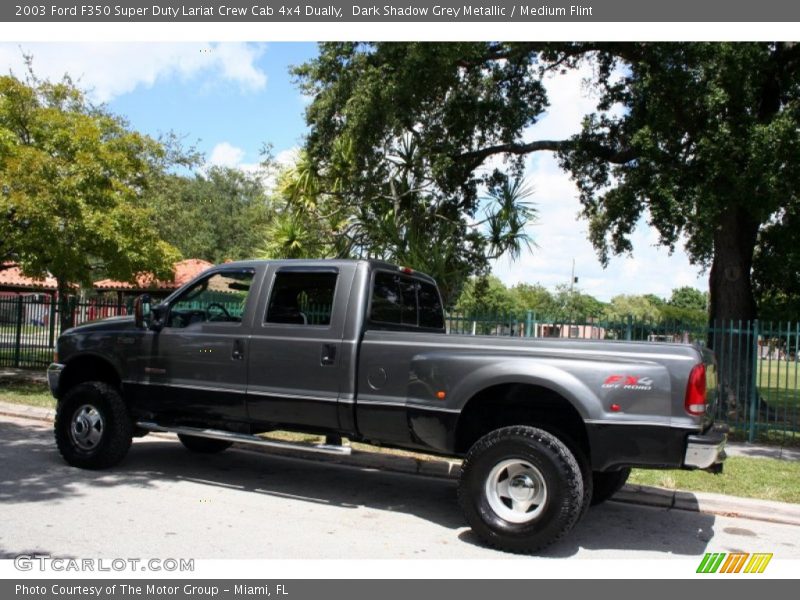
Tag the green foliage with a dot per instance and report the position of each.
(640, 308)
(70, 177)
(776, 272)
(383, 124)
(571, 303)
(407, 221)
(485, 296)
(534, 297)
(216, 215)
(701, 139)
(705, 145)
(689, 298)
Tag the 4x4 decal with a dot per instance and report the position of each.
(628, 382)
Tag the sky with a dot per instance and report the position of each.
(231, 99)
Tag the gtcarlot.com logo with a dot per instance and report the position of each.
(42, 562)
(734, 562)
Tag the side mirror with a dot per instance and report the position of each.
(142, 311)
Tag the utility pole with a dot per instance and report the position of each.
(572, 280)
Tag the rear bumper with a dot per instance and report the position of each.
(706, 450)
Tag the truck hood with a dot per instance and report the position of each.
(109, 324)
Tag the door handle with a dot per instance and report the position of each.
(238, 350)
(328, 354)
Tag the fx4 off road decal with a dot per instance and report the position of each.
(628, 382)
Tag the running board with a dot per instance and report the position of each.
(245, 438)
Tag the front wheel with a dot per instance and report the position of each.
(93, 429)
(521, 488)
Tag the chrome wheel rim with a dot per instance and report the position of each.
(86, 428)
(516, 491)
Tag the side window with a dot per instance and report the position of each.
(219, 298)
(405, 301)
(302, 298)
(431, 313)
(394, 300)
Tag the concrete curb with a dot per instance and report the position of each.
(717, 504)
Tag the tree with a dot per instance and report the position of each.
(776, 267)
(70, 173)
(397, 214)
(485, 296)
(534, 297)
(689, 298)
(638, 307)
(572, 304)
(701, 138)
(218, 214)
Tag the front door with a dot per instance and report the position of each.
(198, 361)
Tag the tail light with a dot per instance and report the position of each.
(695, 400)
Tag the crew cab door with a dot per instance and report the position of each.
(296, 362)
(197, 362)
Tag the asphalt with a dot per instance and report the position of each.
(717, 504)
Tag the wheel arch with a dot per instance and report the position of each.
(520, 402)
(88, 367)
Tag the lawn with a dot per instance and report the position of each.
(763, 478)
(33, 394)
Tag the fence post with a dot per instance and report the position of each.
(529, 324)
(751, 434)
(18, 340)
(628, 326)
(52, 322)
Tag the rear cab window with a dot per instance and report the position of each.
(400, 301)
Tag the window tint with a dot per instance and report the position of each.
(430, 307)
(220, 298)
(402, 300)
(302, 298)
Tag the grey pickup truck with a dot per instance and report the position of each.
(359, 349)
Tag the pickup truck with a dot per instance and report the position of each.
(359, 348)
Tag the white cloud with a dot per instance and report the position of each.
(561, 235)
(225, 154)
(110, 69)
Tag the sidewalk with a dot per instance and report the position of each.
(747, 508)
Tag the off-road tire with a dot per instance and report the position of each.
(92, 427)
(608, 483)
(203, 445)
(556, 469)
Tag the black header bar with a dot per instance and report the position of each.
(445, 11)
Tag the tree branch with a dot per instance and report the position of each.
(474, 158)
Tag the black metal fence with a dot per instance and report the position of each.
(757, 361)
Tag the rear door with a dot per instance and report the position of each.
(295, 360)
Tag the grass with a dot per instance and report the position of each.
(763, 478)
(32, 394)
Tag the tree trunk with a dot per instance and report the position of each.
(64, 305)
(732, 306)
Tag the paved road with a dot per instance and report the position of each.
(165, 501)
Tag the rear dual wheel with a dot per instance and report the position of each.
(521, 489)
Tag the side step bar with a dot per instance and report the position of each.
(245, 438)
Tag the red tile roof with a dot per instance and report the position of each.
(184, 271)
(11, 277)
